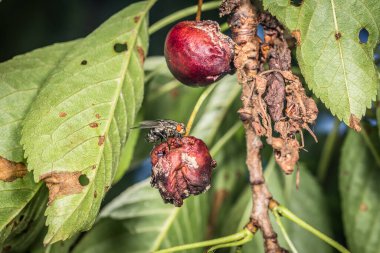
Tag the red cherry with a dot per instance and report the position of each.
(197, 53)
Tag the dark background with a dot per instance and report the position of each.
(26, 25)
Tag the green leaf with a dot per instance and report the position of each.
(80, 120)
(222, 97)
(378, 116)
(20, 80)
(22, 231)
(58, 247)
(378, 107)
(15, 197)
(360, 192)
(127, 154)
(172, 103)
(308, 203)
(139, 221)
(336, 66)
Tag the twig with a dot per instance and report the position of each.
(243, 23)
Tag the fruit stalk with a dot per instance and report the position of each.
(243, 22)
(199, 11)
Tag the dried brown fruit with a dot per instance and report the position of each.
(286, 153)
(197, 53)
(181, 167)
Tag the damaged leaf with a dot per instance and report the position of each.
(62, 183)
(10, 171)
(336, 65)
(107, 91)
(20, 80)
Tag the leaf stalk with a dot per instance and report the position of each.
(197, 106)
(283, 211)
(238, 237)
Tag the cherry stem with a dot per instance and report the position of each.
(283, 211)
(197, 106)
(284, 232)
(181, 14)
(199, 11)
(241, 242)
(238, 237)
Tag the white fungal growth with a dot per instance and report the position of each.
(190, 161)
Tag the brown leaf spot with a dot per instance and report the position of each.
(136, 19)
(93, 125)
(61, 184)
(106, 188)
(10, 171)
(355, 123)
(363, 207)
(101, 140)
(141, 54)
(97, 116)
(338, 35)
(84, 62)
(297, 35)
(62, 114)
(93, 166)
(95, 194)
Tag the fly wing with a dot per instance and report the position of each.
(147, 124)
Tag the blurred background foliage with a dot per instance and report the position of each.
(26, 25)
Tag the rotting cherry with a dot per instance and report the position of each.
(197, 53)
(181, 167)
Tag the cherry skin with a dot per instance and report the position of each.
(197, 53)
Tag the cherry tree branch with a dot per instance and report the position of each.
(243, 22)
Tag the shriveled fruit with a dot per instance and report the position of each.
(197, 53)
(181, 167)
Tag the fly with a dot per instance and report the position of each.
(162, 129)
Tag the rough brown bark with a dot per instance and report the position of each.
(243, 22)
